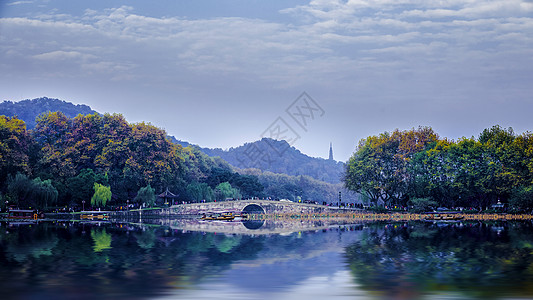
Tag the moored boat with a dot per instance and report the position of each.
(443, 216)
(94, 215)
(224, 216)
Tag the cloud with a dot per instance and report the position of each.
(380, 64)
(19, 3)
(334, 34)
(64, 55)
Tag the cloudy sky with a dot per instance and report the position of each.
(219, 73)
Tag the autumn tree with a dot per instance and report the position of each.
(15, 146)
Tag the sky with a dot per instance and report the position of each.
(219, 73)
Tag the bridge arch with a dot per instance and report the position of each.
(253, 209)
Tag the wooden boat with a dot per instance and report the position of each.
(443, 216)
(23, 214)
(224, 216)
(94, 215)
(218, 217)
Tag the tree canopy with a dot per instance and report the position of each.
(417, 164)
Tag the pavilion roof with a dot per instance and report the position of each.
(167, 194)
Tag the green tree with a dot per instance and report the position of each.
(199, 191)
(31, 193)
(19, 189)
(379, 167)
(43, 193)
(522, 199)
(422, 204)
(145, 195)
(81, 187)
(224, 190)
(102, 194)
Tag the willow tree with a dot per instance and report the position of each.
(145, 195)
(102, 194)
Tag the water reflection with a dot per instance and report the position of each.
(253, 224)
(183, 260)
(140, 261)
(476, 260)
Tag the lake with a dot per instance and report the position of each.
(190, 259)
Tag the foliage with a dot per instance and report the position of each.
(224, 190)
(26, 192)
(145, 195)
(522, 198)
(102, 194)
(81, 186)
(417, 164)
(198, 192)
(422, 204)
(379, 167)
(15, 145)
(44, 193)
(28, 110)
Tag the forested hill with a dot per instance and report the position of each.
(28, 110)
(266, 155)
(280, 157)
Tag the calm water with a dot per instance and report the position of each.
(202, 260)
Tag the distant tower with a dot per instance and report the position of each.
(330, 152)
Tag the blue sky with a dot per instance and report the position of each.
(218, 73)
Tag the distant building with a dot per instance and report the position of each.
(330, 152)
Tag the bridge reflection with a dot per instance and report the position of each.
(253, 227)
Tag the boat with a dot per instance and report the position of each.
(23, 214)
(94, 215)
(443, 216)
(224, 216)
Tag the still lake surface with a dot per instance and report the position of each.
(188, 259)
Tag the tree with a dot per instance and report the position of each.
(43, 193)
(522, 199)
(145, 195)
(19, 189)
(81, 186)
(224, 191)
(15, 146)
(199, 191)
(101, 195)
(379, 167)
(31, 193)
(422, 204)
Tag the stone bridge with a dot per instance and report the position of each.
(249, 206)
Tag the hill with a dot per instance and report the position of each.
(279, 157)
(28, 110)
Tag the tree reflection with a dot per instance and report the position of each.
(102, 240)
(84, 261)
(477, 260)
